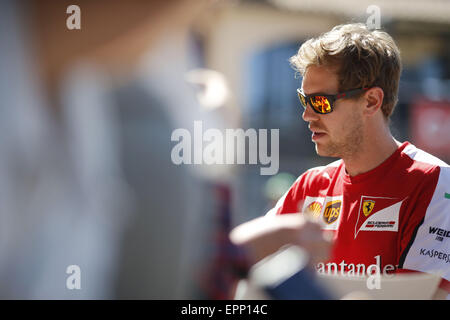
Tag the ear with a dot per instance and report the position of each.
(374, 99)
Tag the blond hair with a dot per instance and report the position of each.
(359, 56)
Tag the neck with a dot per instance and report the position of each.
(374, 150)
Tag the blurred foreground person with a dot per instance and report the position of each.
(87, 180)
(385, 202)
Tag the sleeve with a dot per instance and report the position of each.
(426, 240)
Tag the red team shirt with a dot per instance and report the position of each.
(396, 216)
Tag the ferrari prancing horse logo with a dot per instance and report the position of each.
(368, 207)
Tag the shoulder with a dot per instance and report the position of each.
(424, 165)
(312, 179)
(423, 158)
(432, 177)
(323, 172)
(317, 178)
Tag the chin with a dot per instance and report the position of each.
(320, 151)
(325, 151)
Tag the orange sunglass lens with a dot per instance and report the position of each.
(321, 104)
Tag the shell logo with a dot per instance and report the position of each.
(314, 209)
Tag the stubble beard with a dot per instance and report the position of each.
(348, 145)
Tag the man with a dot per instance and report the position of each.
(384, 202)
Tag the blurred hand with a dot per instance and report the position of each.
(266, 235)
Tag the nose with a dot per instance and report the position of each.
(309, 115)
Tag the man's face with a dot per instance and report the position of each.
(339, 133)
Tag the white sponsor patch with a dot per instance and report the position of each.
(380, 219)
(326, 210)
